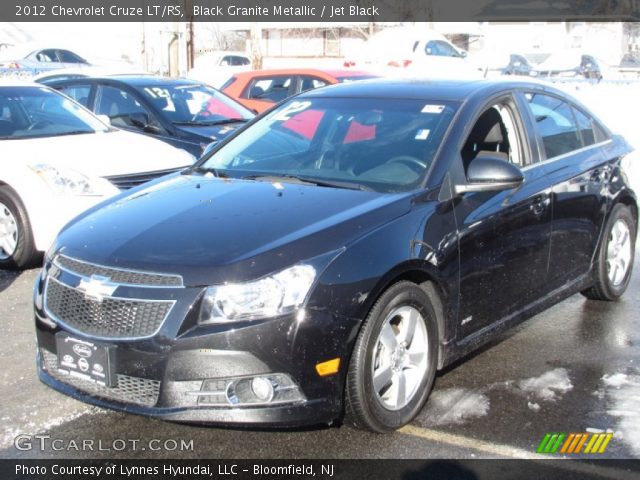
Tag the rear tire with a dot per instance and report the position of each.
(393, 364)
(17, 247)
(614, 263)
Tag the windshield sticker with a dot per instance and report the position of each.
(432, 109)
(295, 107)
(423, 134)
(156, 92)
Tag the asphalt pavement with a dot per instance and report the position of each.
(572, 369)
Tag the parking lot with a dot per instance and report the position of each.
(573, 368)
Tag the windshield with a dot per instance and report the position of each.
(27, 112)
(194, 104)
(385, 145)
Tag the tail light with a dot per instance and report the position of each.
(401, 63)
(349, 63)
(15, 65)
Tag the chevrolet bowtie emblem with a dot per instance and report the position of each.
(97, 287)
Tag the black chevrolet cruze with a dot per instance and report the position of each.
(335, 253)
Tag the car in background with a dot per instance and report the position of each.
(261, 89)
(184, 113)
(215, 68)
(29, 57)
(511, 64)
(59, 159)
(290, 279)
(576, 65)
(414, 51)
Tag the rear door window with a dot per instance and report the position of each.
(556, 124)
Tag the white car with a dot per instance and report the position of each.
(412, 51)
(58, 159)
(215, 68)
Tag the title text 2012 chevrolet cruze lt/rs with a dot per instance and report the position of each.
(335, 253)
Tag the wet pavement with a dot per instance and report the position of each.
(574, 368)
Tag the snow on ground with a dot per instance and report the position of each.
(549, 386)
(454, 405)
(622, 392)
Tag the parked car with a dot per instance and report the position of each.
(183, 113)
(58, 160)
(215, 68)
(36, 59)
(287, 279)
(413, 51)
(261, 89)
(511, 64)
(574, 64)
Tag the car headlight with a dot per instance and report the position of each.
(66, 182)
(270, 296)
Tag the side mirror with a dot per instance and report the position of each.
(208, 148)
(104, 119)
(463, 53)
(487, 173)
(141, 121)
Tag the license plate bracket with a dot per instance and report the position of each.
(90, 361)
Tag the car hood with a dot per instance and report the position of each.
(212, 230)
(98, 154)
(210, 133)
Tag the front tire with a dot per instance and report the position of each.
(17, 247)
(614, 263)
(393, 364)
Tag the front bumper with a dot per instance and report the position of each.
(159, 375)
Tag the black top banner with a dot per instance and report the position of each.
(317, 10)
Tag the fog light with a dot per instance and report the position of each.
(262, 388)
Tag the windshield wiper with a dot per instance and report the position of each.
(213, 122)
(288, 177)
(73, 132)
(201, 169)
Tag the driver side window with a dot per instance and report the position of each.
(122, 108)
(494, 133)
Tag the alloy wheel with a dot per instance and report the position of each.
(400, 357)
(8, 232)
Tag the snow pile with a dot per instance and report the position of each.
(623, 396)
(549, 386)
(454, 405)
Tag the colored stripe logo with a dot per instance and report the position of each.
(574, 443)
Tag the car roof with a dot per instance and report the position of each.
(445, 90)
(133, 80)
(282, 71)
(348, 73)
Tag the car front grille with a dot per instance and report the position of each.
(123, 277)
(140, 391)
(110, 317)
(125, 182)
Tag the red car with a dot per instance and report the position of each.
(260, 89)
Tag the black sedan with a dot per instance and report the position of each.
(328, 259)
(183, 113)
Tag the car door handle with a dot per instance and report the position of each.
(540, 203)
